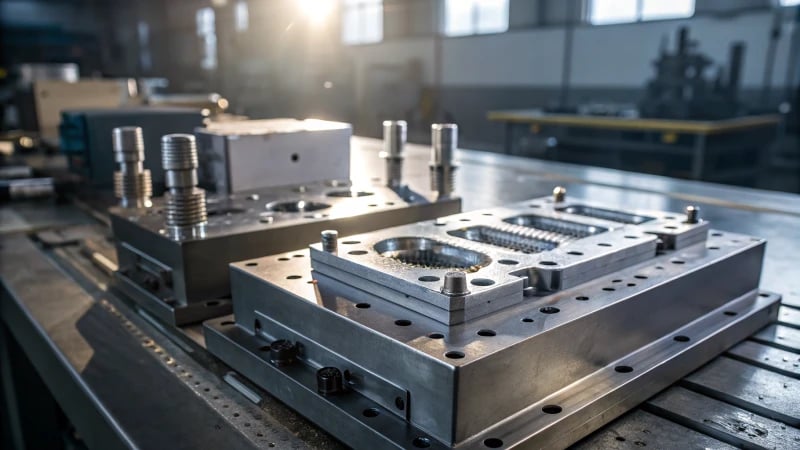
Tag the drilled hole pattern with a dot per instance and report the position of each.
(558, 228)
(248, 419)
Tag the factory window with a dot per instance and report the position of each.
(207, 32)
(362, 21)
(465, 17)
(790, 2)
(603, 12)
(241, 16)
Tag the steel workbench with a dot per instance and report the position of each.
(124, 380)
(713, 150)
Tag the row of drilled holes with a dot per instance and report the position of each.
(423, 442)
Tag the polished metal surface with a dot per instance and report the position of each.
(185, 203)
(118, 387)
(601, 320)
(181, 274)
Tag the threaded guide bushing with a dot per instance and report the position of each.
(133, 184)
(185, 202)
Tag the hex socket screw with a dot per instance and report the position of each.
(330, 241)
(559, 194)
(329, 381)
(692, 214)
(394, 141)
(133, 184)
(444, 141)
(185, 202)
(455, 284)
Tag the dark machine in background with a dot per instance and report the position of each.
(681, 88)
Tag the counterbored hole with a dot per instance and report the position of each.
(552, 409)
(549, 310)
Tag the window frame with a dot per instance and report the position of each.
(475, 25)
(638, 16)
(360, 8)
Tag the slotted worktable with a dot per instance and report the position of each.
(125, 381)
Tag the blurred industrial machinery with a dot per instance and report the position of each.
(682, 89)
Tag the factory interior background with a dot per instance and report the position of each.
(423, 61)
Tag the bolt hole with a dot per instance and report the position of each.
(454, 355)
(763, 295)
(631, 284)
(604, 244)
(681, 338)
(507, 262)
(493, 443)
(548, 263)
(574, 253)
(582, 298)
(371, 412)
(399, 403)
(350, 242)
(297, 256)
(487, 333)
(640, 277)
(421, 442)
(283, 259)
(357, 252)
(527, 320)
(549, 310)
(294, 277)
(402, 322)
(552, 409)
(631, 237)
(616, 281)
(295, 157)
(482, 282)
(257, 325)
(363, 305)
(436, 336)
(678, 261)
(730, 313)
(623, 369)
(251, 264)
(428, 278)
(609, 289)
(713, 248)
(620, 438)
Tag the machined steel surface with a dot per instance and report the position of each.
(244, 155)
(625, 303)
(181, 273)
(133, 184)
(60, 336)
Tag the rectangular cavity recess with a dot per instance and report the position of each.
(521, 239)
(561, 227)
(606, 214)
